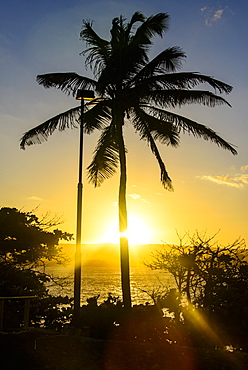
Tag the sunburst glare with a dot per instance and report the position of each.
(138, 232)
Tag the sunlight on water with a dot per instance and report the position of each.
(104, 280)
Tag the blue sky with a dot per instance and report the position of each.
(211, 186)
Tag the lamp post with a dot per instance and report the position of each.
(81, 95)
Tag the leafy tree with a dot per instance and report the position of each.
(214, 279)
(199, 266)
(25, 245)
(131, 88)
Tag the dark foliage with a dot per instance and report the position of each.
(26, 244)
(26, 240)
(111, 320)
(212, 281)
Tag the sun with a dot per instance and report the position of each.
(138, 232)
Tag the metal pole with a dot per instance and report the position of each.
(26, 312)
(77, 271)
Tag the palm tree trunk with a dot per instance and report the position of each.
(124, 249)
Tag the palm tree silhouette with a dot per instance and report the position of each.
(131, 89)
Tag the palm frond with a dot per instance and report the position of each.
(176, 98)
(154, 25)
(188, 80)
(97, 117)
(194, 128)
(67, 82)
(106, 158)
(134, 46)
(136, 17)
(40, 133)
(160, 130)
(168, 60)
(90, 36)
(126, 55)
(164, 176)
(99, 51)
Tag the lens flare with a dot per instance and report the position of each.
(137, 233)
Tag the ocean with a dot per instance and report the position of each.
(104, 280)
(101, 272)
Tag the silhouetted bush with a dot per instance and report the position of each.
(211, 300)
(26, 244)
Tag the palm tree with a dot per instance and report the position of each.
(131, 89)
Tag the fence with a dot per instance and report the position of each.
(26, 309)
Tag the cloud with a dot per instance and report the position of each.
(244, 168)
(239, 180)
(213, 15)
(33, 197)
(217, 15)
(135, 196)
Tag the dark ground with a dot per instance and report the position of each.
(41, 350)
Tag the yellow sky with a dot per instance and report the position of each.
(156, 215)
